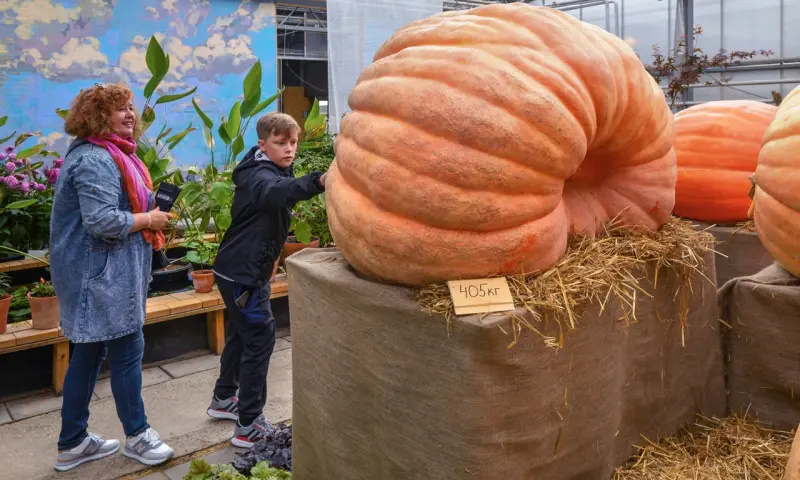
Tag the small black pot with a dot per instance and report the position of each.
(10, 257)
(176, 278)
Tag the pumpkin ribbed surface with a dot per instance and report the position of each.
(479, 139)
(716, 147)
(776, 203)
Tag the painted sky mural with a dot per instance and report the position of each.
(51, 49)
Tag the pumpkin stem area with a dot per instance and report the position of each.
(616, 266)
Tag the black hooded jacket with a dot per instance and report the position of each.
(261, 214)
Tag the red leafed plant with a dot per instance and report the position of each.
(682, 69)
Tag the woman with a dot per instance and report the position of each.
(102, 233)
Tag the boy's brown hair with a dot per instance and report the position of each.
(277, 124)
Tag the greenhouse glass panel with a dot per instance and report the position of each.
(791, 34)
(647, 23)
(752, 25)
(708, 15)
(732, 91)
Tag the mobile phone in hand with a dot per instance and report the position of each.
(166, 196)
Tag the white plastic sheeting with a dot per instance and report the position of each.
(356, 29)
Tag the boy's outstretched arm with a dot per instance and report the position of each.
(274, 190)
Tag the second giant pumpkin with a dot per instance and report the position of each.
(776, 202)
(716, 147)
(479, 139)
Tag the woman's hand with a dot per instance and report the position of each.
(153, 220)
(159, 219)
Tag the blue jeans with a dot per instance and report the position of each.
(125, 356)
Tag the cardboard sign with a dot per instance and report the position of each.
(483, 295)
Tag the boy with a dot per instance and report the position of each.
(266, 191)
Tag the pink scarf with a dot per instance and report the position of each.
(135, 179)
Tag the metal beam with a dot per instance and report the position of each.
(688, 28)
(748, 83)
(299, 28)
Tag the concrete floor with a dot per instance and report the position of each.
(176, 408)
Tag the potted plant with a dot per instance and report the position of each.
(310, 218)
(26, 196)
(5, 301)
(44, 305)
(202, 253)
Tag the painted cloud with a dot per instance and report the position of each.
(184, 15)
(39, 36)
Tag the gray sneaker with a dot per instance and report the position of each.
(147, 448)
(247, 437)
(224, 409)
(93, 447)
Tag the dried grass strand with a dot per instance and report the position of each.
(611, 267)
(735, 447)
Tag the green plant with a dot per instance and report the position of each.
(201, 470)
(315, 153)
(212, 198)
(20, 309)
(5, 284)
(200, 251)
(26, 194)
(43, 288)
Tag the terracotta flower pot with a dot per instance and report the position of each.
(44, 311)
(203, 280)
(5, 304)
(292, 246)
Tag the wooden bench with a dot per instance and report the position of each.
(22, 336)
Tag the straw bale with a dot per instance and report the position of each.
(735, 447)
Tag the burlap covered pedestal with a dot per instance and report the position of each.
(743, 252)
(763, 347)
(381, 392)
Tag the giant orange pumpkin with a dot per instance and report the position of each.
(479, 139)
(716, 147)
(776, 202)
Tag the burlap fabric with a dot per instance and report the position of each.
(763, 347)
(381, 392)
(743, 252)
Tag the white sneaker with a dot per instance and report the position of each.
(147, 448)
(93, 447)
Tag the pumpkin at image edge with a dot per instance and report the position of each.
(463, 157)
(776, 201)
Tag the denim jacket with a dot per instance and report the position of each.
(100, 271)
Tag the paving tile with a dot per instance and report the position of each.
(192, 365)
(283, 332)
(281, 344)
(289, 339)
(150, 376)
(5, 417)
(156, 476)
(34, 406)
(222, 456)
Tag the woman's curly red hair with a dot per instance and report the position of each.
(90, 114)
